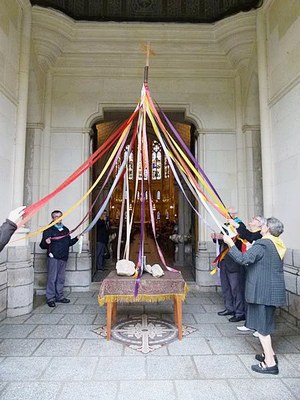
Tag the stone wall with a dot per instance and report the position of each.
(3, 283)
(16, 281)
(78, 270)
(292, 282)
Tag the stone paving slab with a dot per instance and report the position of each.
(82, 332)
(58, 347)
(89, 391)
(23, 368)
(70, 369)
(221, 367)
(87, 300)
(204, 390)
(30, 391)
(189, 347)
(68, 309)
(44, 319)
(100, 347)
(230, 345)
(53, 354)
(53, 331)
(120, 368)
(19, 347)
(175, 367)
(79, 319)
(15, 331)
(265, 389)
(294, 386)
(16, 320)
(205, 330)
(147, 390)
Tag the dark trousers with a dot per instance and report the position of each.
(233, 290)
(56, 279)
(100, 247)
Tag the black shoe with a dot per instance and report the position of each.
(261, 369)
(51, 303)
(261, 358)
(237, 319)
(63, 300)
(225, 312)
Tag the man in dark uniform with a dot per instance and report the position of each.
(57, 241)
(232, 277)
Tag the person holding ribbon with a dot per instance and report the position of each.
(57, 241)
(8, 228)
(251, 235)
(232, 276)
(265, 288)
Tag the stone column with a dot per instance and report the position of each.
(78, 270)
(44, 178)
(202, 245)
(265, 125)
(253, 170)
(19, 265)
(203, 257)
(20, 141)
(179, 256)
(240, 153)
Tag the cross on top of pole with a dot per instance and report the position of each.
(149, 51)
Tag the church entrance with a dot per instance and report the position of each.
(164, 196)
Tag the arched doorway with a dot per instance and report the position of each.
(165, 196)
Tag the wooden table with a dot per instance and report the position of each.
(120, 289)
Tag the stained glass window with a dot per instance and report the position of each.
(145, 172)
(166, 168)
(131, 166)
(156, 161)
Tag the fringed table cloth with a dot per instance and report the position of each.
(120, 289)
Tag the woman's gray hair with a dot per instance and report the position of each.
(261, 219)
(275, 226)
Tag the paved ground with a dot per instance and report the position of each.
(53, 354)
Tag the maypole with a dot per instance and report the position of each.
(182, 163)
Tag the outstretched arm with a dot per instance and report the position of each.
(250, 257)
(7, 229)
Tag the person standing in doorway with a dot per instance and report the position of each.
(57, 241)
(102, 240)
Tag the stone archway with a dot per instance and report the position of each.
(106, 124)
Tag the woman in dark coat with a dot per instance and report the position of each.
(265, 288)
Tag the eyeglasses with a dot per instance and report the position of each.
(257, 219)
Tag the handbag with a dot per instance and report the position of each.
(106, 253)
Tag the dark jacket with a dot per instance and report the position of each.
(102, 231)
(230, 264)
(7, 229)
(244, 233)
(264, 277)
(59, 248)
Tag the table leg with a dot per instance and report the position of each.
(175, 311)
(109, 309)
(114, 313)
(178, 318)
